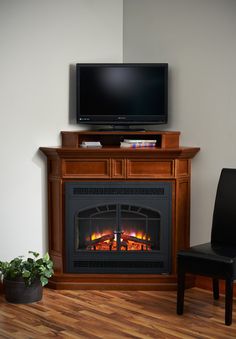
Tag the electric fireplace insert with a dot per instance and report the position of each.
(118, 227)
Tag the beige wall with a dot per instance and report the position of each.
(197, 39)
(39, 40)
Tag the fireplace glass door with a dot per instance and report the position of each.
(118, 227)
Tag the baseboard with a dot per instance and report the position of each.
(117, 282)
(206, 284)
(198, 281)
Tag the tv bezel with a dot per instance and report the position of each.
(126, 119)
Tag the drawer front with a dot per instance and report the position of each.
(149, 168)
(86, 168)
(182, 167)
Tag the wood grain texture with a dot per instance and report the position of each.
(116, 315)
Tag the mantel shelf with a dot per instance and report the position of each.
(186, 152)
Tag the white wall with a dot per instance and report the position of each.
(39, 40)
(197, 39)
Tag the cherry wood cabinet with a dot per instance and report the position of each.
(168, 161)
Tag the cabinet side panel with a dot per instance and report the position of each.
(182, 214)
(181, 217)
(55, 208)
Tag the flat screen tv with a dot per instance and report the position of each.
(122, 94)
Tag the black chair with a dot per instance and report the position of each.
(217, 258)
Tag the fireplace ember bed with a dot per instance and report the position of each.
(118, 216)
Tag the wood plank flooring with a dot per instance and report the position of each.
(116, 315)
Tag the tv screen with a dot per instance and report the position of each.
(122, 94)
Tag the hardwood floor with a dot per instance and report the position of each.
(116, 315)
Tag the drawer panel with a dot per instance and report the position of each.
(118, 168)
(87, 168)
(149, 168)
(183, 167)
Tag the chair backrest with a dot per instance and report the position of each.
(224, 215)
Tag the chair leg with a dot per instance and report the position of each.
(180, 292)
(228, 301)
(215, 284)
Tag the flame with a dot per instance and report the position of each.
(98, 235)
(126, 243)
(139, 235)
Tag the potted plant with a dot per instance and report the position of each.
(23, 279)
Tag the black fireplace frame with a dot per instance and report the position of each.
(153, 195)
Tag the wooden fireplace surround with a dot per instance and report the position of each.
(166, 162)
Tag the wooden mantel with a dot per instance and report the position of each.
(168, 161)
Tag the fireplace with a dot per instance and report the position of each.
(151, 183)
(118, 227)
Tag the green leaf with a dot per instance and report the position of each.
(47, 273)
(46, 257)
(43, 280)
(35, 254)
(49, 267)
(30, 260)
(39, 262)
(26, 274)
